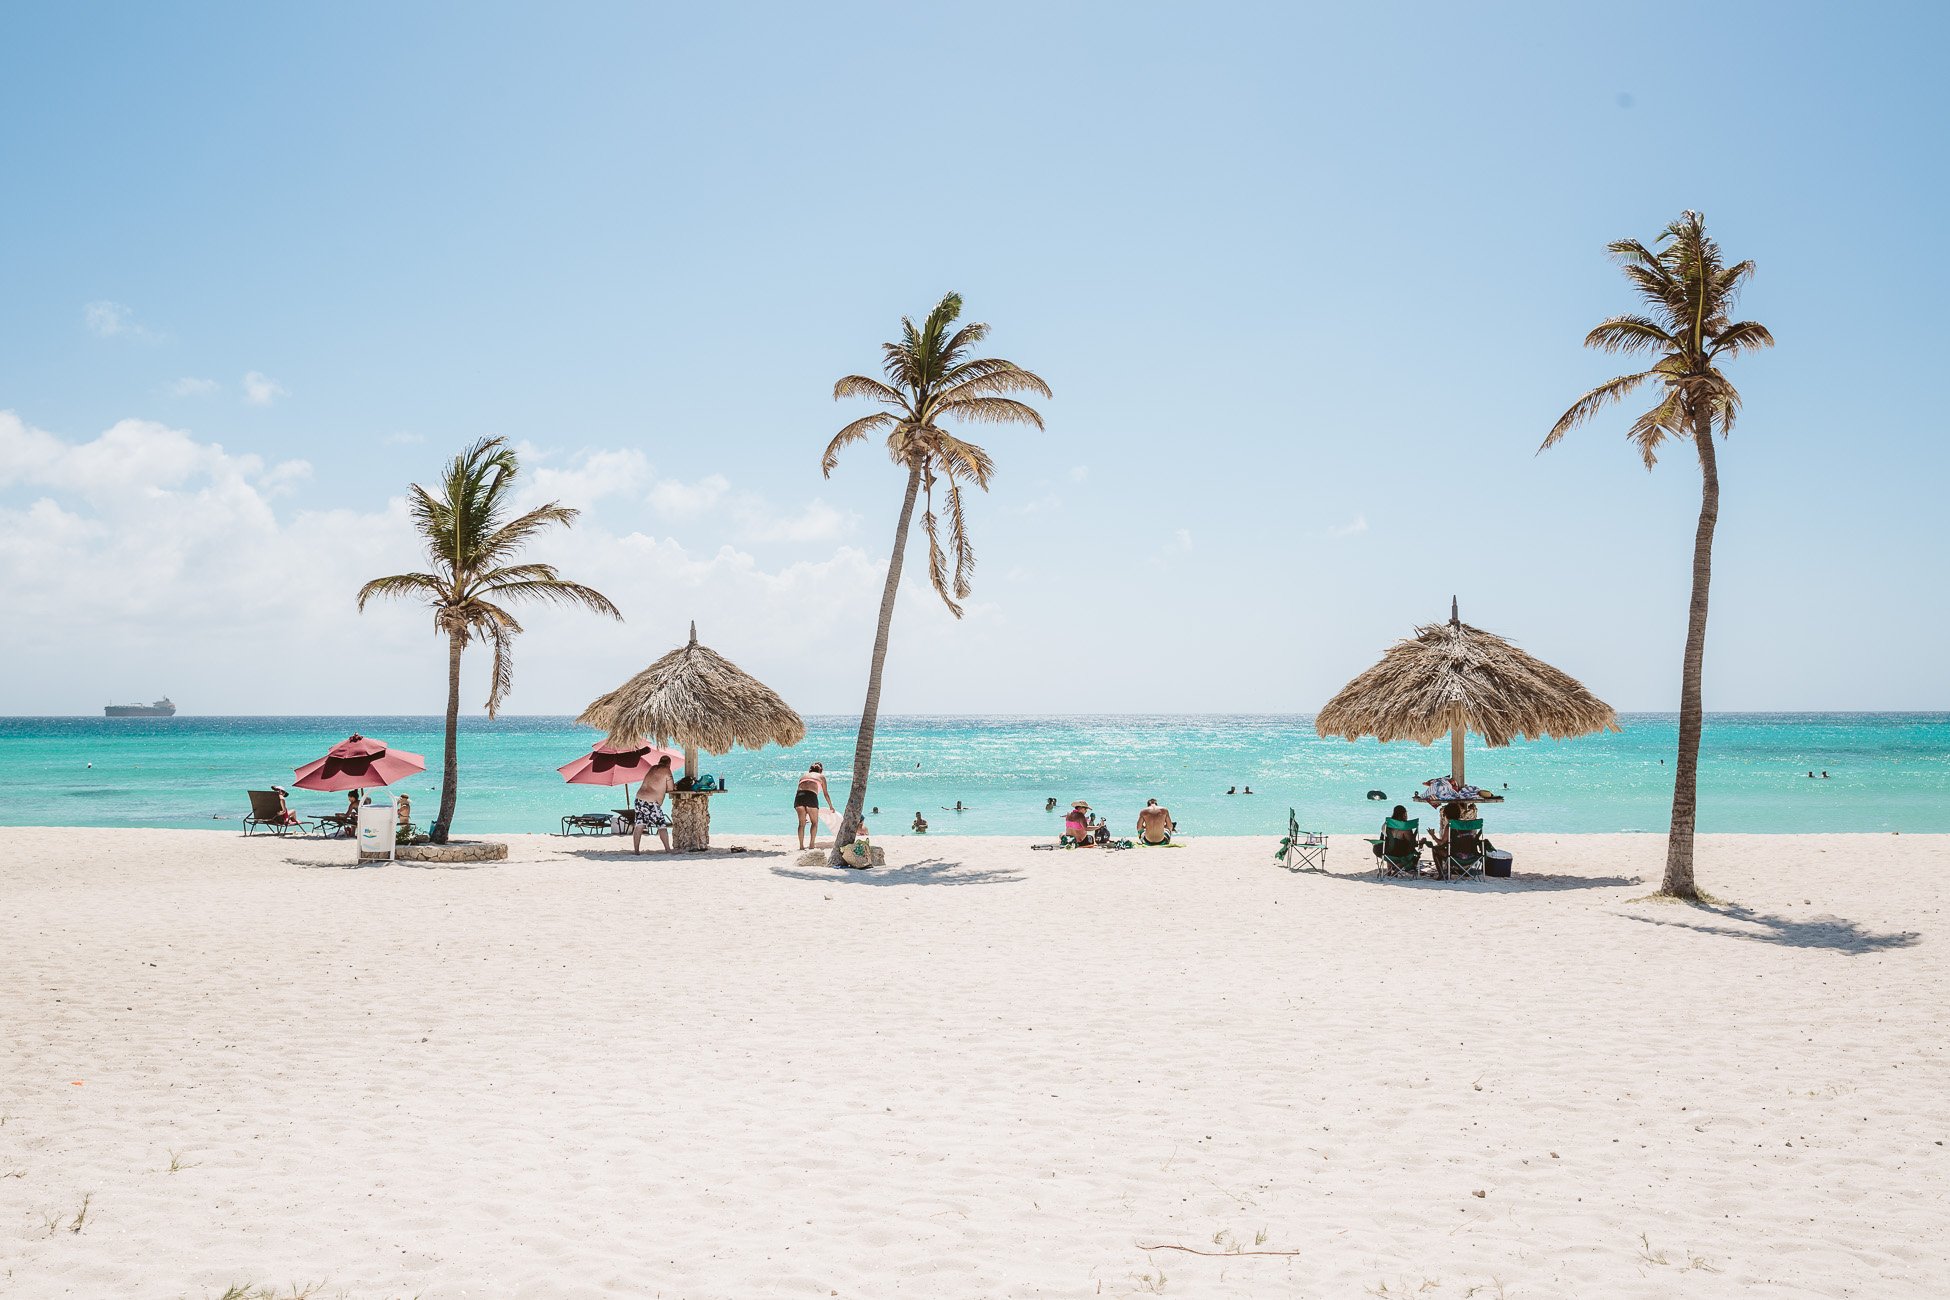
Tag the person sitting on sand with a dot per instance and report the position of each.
(1394, 843)
(1076, 823)
(805, 804)
(920, 823)
(648, 811)
(1154, 824)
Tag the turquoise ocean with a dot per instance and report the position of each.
(1887, 772)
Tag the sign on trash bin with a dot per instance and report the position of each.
(378, 827)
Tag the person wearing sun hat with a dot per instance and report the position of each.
(1076, 823)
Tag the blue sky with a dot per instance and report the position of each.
(1309, 284)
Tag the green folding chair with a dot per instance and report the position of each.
(1301, 850)
(1398, 848)
(1467, 848)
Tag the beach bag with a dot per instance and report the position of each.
(705, 782)
(858, 854)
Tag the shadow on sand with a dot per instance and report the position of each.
(928, 871)
(653, 852)
(1833, 933)
(1516, 884)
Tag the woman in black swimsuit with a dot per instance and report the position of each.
(805, 804)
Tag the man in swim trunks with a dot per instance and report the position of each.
(805, 804)
(1154, 824)
(648, 813)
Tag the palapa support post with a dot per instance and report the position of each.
(1456, 731)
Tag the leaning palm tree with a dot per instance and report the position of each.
(930, 378)
(1691, 292)
(472, 543)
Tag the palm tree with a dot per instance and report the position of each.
(930, 378)
(471, 544)
(1691, 292)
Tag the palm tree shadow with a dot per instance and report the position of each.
(928, 871)
(653, 852)
(1832, 933)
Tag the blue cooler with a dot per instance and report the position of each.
(1497, 863)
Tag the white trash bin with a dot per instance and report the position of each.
(378, 829)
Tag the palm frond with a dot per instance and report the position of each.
(428, 585)
(1628, 334)
(958, 538)
(938, 561)
(990, 376)
(861, 386)
(962, 458)
(553, 591)
(516, 533)
(1741, 336)
(852, 433)
(1593, 402)
(1651, 429)
(988, 410)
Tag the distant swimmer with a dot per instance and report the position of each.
(1824, 774)
(1049, 805)
(1233, 790)
(1378, 794)
(876, 810)
(956, 808)
(1247, 790)
(1811, 776)
(920, 823)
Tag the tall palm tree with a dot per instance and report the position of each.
(930, 378)
(1690, 291)
(471, 544)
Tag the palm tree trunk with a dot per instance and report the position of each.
(1685, 788)
(450, 765)
(856, 797)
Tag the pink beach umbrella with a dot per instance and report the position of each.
(608, 765)
(358, 763)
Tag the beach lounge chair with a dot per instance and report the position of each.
(587, 823)
(1467, 848)
(1397, 847)
(1301, 850)
(265, 814)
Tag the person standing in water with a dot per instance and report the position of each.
(805, 804)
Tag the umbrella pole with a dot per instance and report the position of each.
(1456, 754)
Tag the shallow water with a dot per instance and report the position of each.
(1887, 772)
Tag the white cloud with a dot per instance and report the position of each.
(1048, 503)
(404, 439)
(1181, 540)
(262, 390)
(813, 522)
(192, 387)
(145, 561)
(112, 319)
(1358, 524)
(1078, 473)
(676, 500)
(588, 478)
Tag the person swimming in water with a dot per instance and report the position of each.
(920, 823)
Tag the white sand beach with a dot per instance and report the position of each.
(981, 1071)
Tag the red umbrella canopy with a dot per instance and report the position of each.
(608, 765)
(357, 764)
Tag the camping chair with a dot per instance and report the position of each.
(1400, 852)
(1310, 847)
(266, 815)
(1466, 849)
(586, 824)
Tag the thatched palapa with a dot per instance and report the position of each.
(1454, 678)
(695, 698)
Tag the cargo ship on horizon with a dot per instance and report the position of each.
(160, 709)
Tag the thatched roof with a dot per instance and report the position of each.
(696, 697)
(1453, 675)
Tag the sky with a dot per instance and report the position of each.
(1309, 283)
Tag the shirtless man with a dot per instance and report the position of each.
(1154, 824)
(649, 814)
